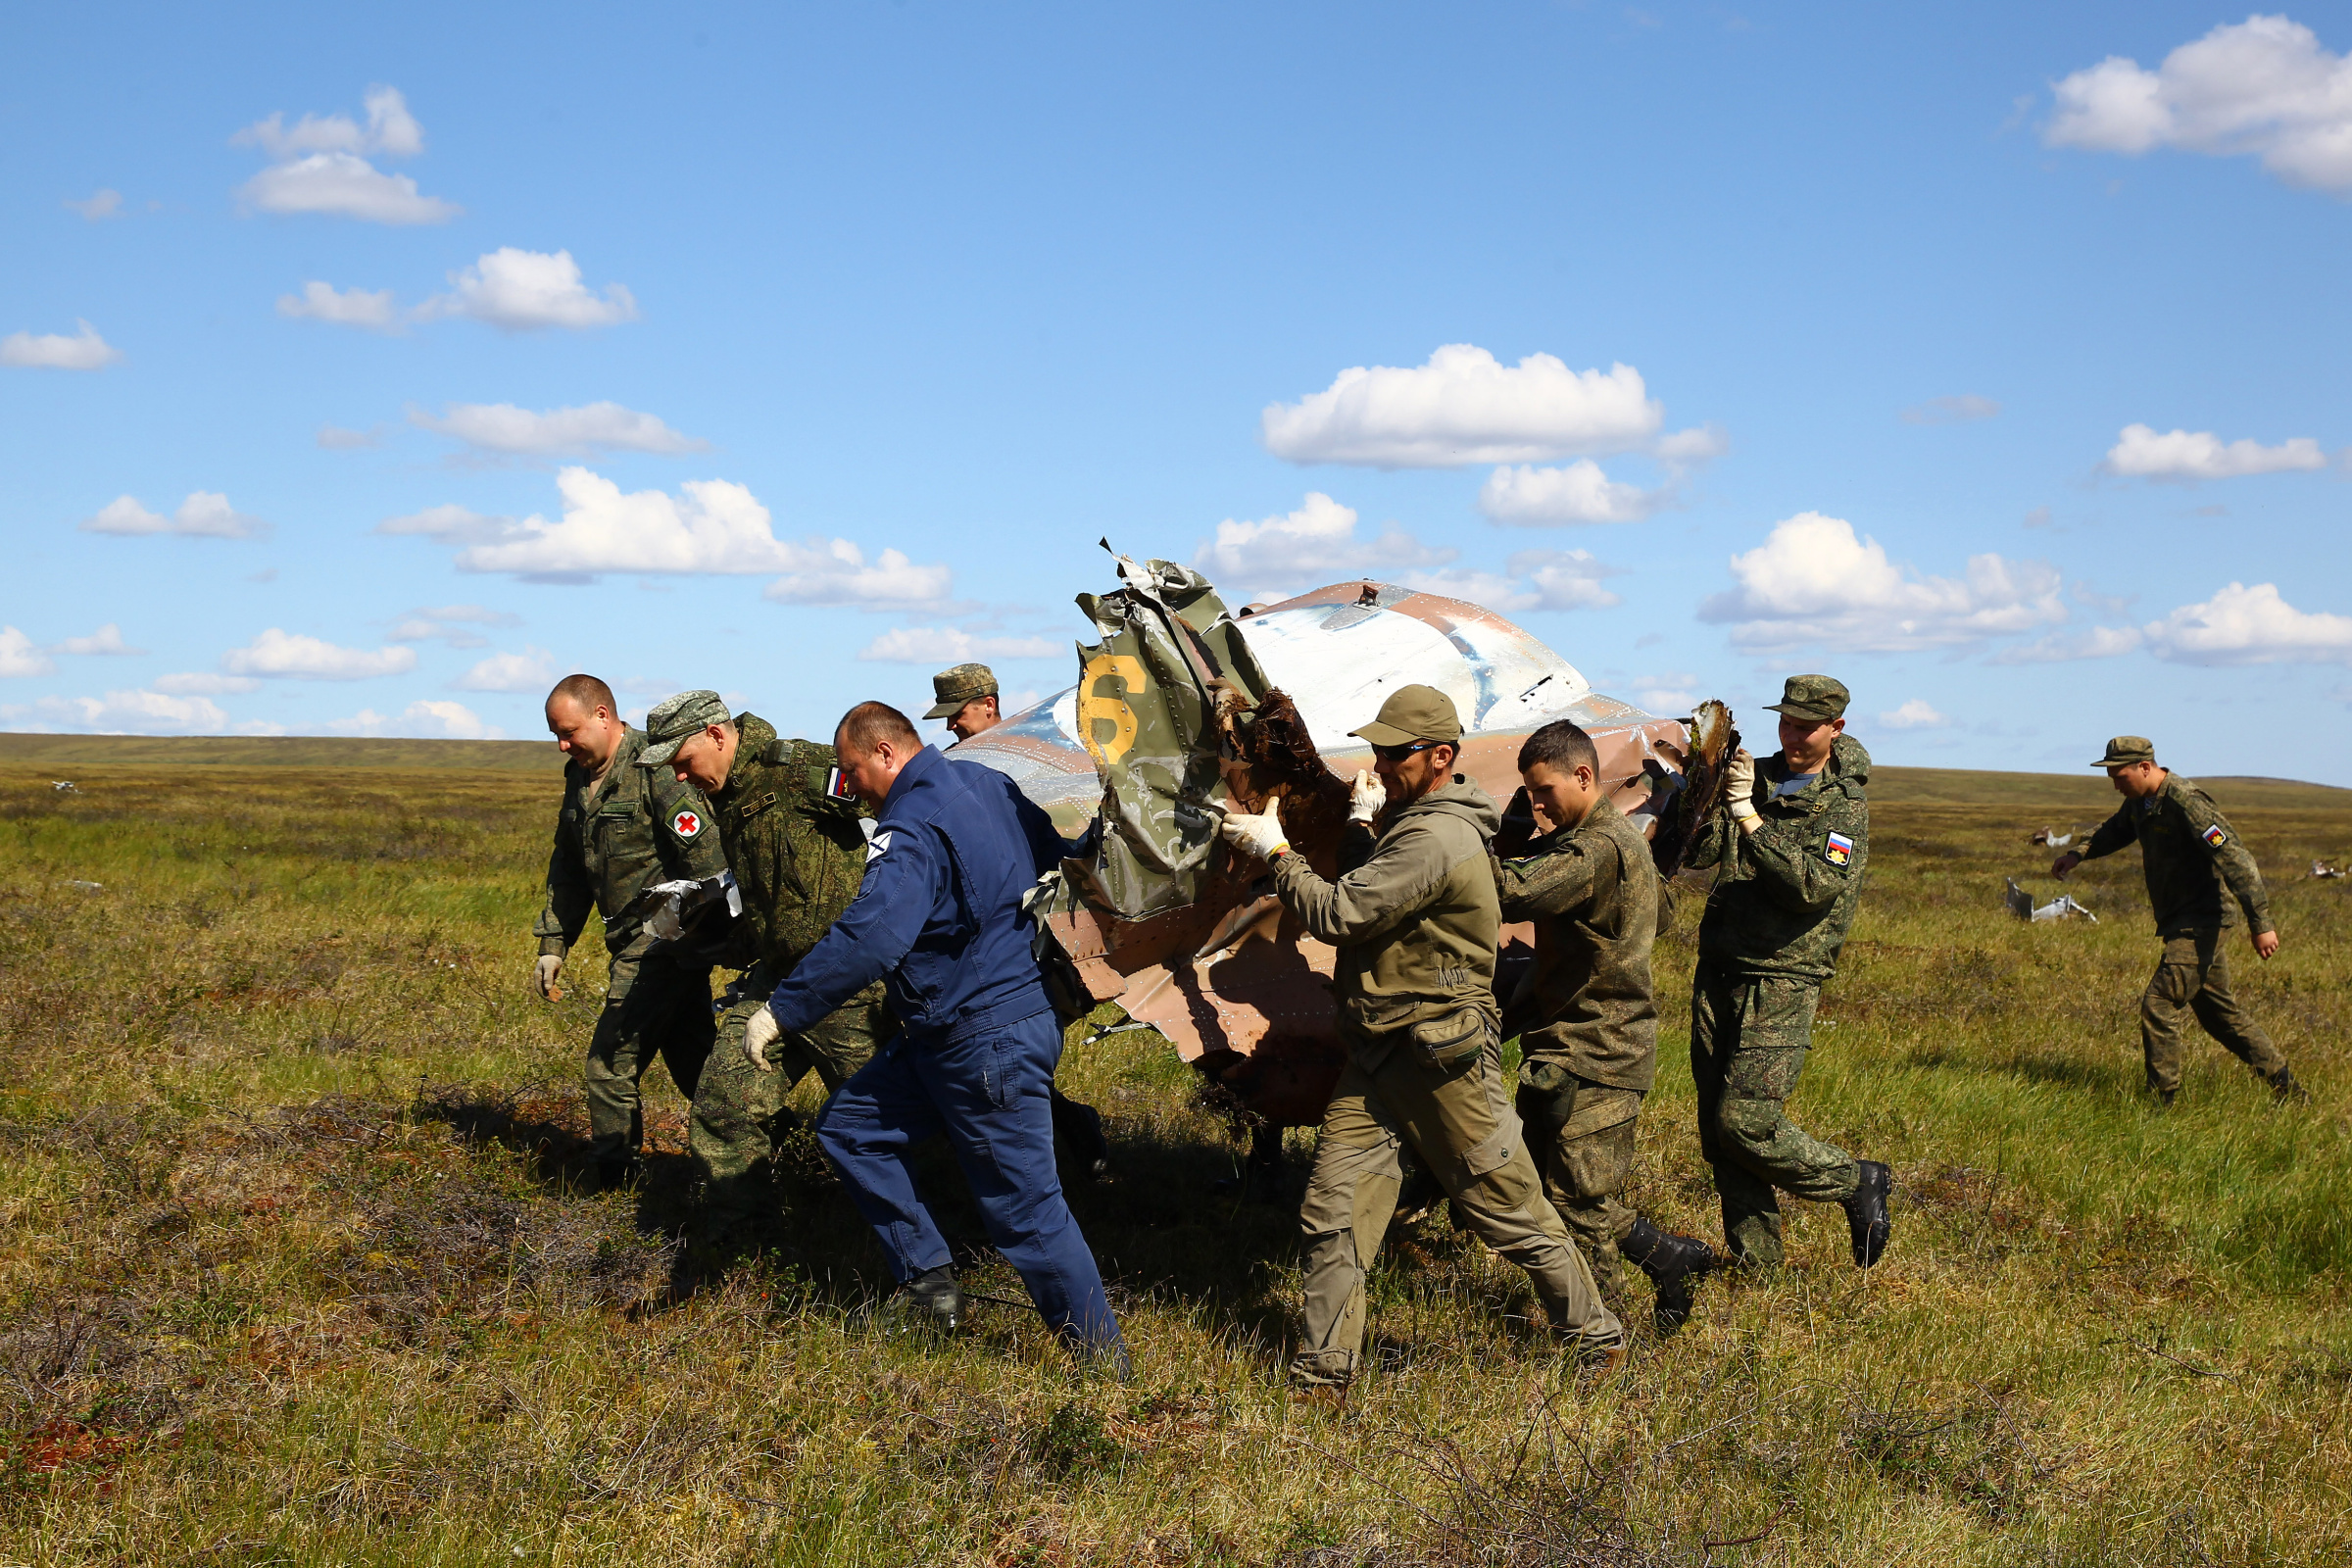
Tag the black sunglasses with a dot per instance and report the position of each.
(1398, 754)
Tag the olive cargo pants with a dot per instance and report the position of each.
(1463, 1129)
(655, 1004)
(732, 1133)
(1582, 1136)
(2193, 978)
(1748, 1037)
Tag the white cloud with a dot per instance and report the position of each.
(532, 671)
(2143, 453)
(1581, 492)
(99, 206)
(85, 350)
(1531, 580)
(1464, 407)
(1673, 691)
(1812, 581)
(120, 712)
(285, 656)
(1276, 557)
(593, 428)
(351, 307)
(204, 514)
(20, 657)
(1960, 408)
(1695, 447)
(1914, 714)
(522, 291)
(2263, 88)
(335, 438)
(953, 645)
(2100, 642)
(203, 683)
(107, 639)
(450, 525)
(2241, 625)
(426, 719)
(836, 571)
(321, 164)
(452, 624)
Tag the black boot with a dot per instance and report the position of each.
(2164, 1097)
(1866, 1212)
(1080, 1128)
(931, 1300)
(2283, 1086)
(1675, 1264)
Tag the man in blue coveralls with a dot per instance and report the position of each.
(938, 920)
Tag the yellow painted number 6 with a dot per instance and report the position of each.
(1098, 707)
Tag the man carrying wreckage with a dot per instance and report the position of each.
(1416, 920)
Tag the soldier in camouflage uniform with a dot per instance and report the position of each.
(2189, 854)
(968, 699)
(793, 838)
(621, 829)
(1415, 919)
(1790, 846)
(1586, 1018)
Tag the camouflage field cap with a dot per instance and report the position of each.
(675, 720)
(2124, 750)
(1815, 697)
(955, 687)
(1414, 714)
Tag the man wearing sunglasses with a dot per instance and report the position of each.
(1416, 918)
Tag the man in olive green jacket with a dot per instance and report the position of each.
(792, 833)
(1583, 1012)
(1414, 918)
(622, 829)
(2200, 874)
(1789, 847)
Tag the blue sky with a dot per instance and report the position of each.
(1990, 361)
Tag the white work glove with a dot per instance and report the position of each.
(1366, 799)
(549, 966)
(1260, 836)
(1740, 780)
(759, 1031)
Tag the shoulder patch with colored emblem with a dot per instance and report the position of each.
(2215, 836)
(1838, 850)
(877, 847)
(686, 825)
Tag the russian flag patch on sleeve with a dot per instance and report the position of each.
(1838, 850)
(2213, 837)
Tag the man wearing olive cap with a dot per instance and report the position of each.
(967, 700)
(2189, 854)
(1789, 846)
(1416, 918)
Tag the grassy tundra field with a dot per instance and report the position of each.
(292, 1270)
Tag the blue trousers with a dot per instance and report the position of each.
(988, 1093)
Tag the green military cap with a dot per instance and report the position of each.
(677, 719)
(1817, 698)
(2124, 750)
(1414, 714)
(955, 687)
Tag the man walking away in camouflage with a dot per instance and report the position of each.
(967, 700)
(621, 829)
(1416, 918)
(1789, 846)
(1585, 1018)
(2189, 853)
(790, 828)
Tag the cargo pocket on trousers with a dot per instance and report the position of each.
(1451, 1040)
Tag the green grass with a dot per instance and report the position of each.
(293, 1266)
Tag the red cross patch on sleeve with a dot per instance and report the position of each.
(2213, 837)
(686, 825)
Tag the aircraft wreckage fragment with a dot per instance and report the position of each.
(1184, 711)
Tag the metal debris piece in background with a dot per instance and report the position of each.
(2051, 838)
(2322, 870)
(87, 887)
(2062, 907)
(64, 785)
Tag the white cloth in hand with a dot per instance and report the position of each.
(549, 966)
(759, 1031)
(1260, 836)
(1367, 797)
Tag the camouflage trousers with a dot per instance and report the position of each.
(655, 1005)
(1463, 1131)
(732, 1131)
(1581, 1135)
(1748, 1037)
(2192, 978)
